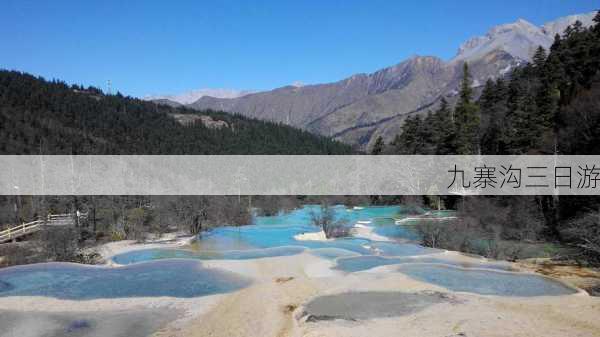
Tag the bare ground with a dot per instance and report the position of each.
(274, 306)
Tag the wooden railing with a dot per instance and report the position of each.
(18, 231)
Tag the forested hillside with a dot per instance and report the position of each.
(50, 117)
(549, 106)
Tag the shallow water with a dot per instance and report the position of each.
(178, 272)
(174, 278)
(107, 324)
(391, 230)
(276, 231)
(406, 230)
(274, 236)
(351, 246)
(485, 282)
(161, 254)
(360, 263)
(333, 253)
(5, 286)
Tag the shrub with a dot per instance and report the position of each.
(92, 257)
(117, 235)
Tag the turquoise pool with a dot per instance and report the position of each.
(274, 236)
(360, 263)
(173, 278)
(162, 254)
(179, 273)
(485, 282)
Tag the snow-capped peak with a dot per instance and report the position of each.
(194, 95)
(519, 39)
(558, 26)
(521, 25)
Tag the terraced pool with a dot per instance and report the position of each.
(360, 263)
(173, 278)
(179, 272)
(485, 282)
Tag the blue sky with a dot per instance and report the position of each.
(151, 47)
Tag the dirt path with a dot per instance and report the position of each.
(263, 309)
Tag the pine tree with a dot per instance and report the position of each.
(488, 96)
(513, 105)
(466, 92)
(595, 48)
(547, 103)
(547, 94)
(596, 27)
(539, 58)
(378, 146)
(526, 119)
(428, 135)
(493, 112)
(409, 141)
(443, 126)
(466, 118)
(577, 27)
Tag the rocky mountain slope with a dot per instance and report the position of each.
(363, 106)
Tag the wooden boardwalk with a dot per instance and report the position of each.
(18, 231)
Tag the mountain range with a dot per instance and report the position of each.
(194, 95)
(357, 109)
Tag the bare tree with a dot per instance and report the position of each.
(59, 243)
(584, 232)
(325, 219)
